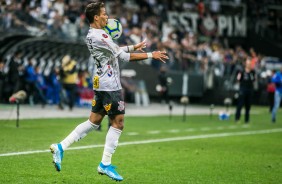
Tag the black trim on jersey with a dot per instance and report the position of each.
(99, 63)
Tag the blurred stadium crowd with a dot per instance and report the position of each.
(198, 52)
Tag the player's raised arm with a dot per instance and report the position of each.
(138, 47)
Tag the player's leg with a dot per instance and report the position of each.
(112, 138)
(277, 100)
(240, 103)
(83, 129)
(114, 132)
(116, 115)
(248, 101)
(79, 132)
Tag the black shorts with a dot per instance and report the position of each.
(109, 102)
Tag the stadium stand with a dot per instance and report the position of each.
(47, 32)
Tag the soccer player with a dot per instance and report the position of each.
(106, 83)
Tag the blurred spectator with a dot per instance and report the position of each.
(85, 89)
(229, 61)
(68, 74)
(246, 79)
(270, 92)
(41, 85)
(163, 86)
(14, 73)
(201, 8)
(254, 58)
(34, 91)
(59, 5)
(129, 88)
(189, 46)
(2, 80)
(135, 35)
(216, 58)
(54, 88)
(187, 50)
(69, 29)
(215, 6)
(272, 24)
(277, 79)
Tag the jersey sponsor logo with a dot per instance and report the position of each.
(108, 107)
(105, 36)
(93, 103)
(96, 82)
(121, 105)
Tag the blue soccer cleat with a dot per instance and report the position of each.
(58, 154)
(110, 171)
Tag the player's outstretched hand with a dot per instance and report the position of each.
(140, 46)
(160, 55)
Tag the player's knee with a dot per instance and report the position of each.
(120, 125)
(117, 122)
(96, 118)
(96, 122)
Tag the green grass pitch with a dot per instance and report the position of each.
(200, 150)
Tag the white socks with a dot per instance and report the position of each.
(110, 145)
(84, 128)
(78, 133)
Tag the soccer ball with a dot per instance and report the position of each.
(223, 115)
(113, 28)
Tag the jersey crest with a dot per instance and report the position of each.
(108, 107)
(93, 103)
(121, 105)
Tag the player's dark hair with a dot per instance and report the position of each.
(93, 9)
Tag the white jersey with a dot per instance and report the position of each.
(106, 53)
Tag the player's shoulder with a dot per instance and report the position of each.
(97, 34)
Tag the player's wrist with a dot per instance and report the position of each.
(149, 55)
(130, 48)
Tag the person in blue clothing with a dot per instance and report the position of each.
(32, 86)
(277, 80)
(54, 88)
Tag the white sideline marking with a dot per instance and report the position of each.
(226, 134)
(132, 133)
(205, 129)
(245, 126)
(173, 131)
(232, 127)
(190, 130)
(220, 128)
(154, 132)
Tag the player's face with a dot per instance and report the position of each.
(103, 18)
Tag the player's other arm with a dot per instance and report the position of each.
(138, 47)
(158, 55)
(124, 56)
